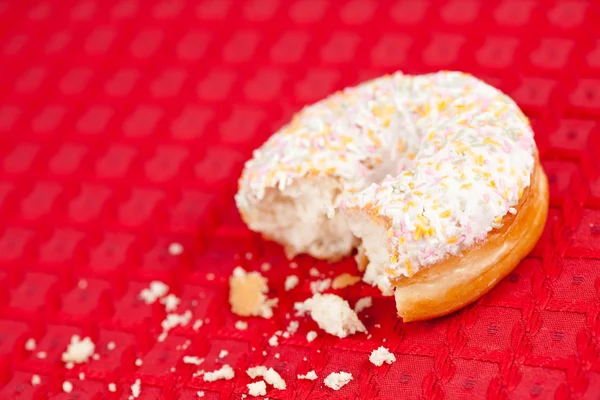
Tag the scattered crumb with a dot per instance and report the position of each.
(270, 375)
(363, 303)
(369, 336)
(310, 336)
(225, 372)
(377, 325)
(380, 356)
(156, 290)
(136, 388)
(291, 281)
(293, 327)
(81, 376)
(314, 272)
(264, 353)
(344, 280)
(170, 302)
(223, 353)
(241, 325)
(30, 344)
(41, 355)
(257, 388)
(35, 380)
(67, 387)
(138, 362)
(264, 267)
(173, 320)
(274, 341)
(332, 313)
(96, 356)
(172, 369)
(197, 325)
(293, 265)
(69, 365)
(337, 380)
(310, 375)
(277, 356)
(192, 360)
(304, 358)
(79, 351)
(320, 286)
(111, 345)
(200, 393)
(248, 256)
(112, 387)
(82, 284)
(247, 294)
(175, 249)
(210, 276)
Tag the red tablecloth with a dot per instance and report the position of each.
(123, 128)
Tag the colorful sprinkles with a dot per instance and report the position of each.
(442, 156)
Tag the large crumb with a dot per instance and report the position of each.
(247, 294)
(363, 303)
(381, 355)
(310, 375)
(225, 372)
(270, 375)
(257, 388)
(344, 280)
(332, 313)
(156, 290)
(337, 380)
(79, 351)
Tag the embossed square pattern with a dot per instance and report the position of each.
(124, 125)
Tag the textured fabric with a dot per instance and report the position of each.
(123, 128)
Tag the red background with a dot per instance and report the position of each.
(124, 125)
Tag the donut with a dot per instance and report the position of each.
(435, 179)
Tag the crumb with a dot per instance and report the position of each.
(173, 320)
(273, 341)
(69, 365)
(175, 249)
(79, 351)
(310, 375)
(277, 356)
(304, 358)
(192, 360)
(111, 345)
(293, 265)
(172, 369)
(293, 327)
(369, 336)
(380, 356)
(170, 302)
(377, 325)
(264, 267)
(35, 380)
(223, 353)
(81, 376)
(67, 387)
(82, 284)
(41, 355)
(363, 303)
(197, 325)
(210, 276)
(248, 256)
(241, 325)
(96, 356)
(200, 393)
(337, 380)
(264, 353)
(136, 388)
(257, 389)
(320, 286)
(138, 362)
(344, 280)
(332, 313)
(112, 387)
(310, 336)
(247, 294)
(30, 344)
(270, 375)
(156, 290)
(225, 372)
(314, 272)
(291, 281)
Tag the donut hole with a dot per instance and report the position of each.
(297, 218)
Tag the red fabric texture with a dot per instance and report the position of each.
(124, 125)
